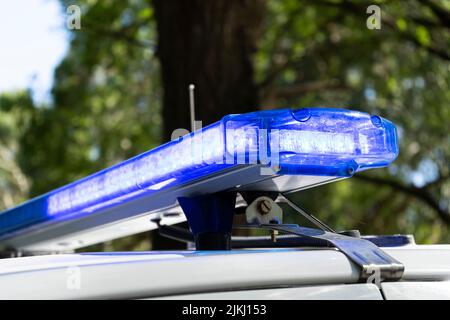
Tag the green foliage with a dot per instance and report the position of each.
(15, 114)
(318, 53)
(107, 98)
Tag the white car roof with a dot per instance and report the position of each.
(155, 274)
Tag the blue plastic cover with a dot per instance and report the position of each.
(313, 141)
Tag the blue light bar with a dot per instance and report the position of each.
(313, 141)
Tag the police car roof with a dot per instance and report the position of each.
(153, 274)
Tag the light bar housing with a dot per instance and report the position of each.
(322, 143)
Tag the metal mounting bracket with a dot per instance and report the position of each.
(370, 258)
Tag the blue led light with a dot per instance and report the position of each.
(313, 141)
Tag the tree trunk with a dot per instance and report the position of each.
(208, 43)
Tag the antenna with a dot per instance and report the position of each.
(192, 105)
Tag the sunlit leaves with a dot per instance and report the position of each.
(382, 72)
(107, 99)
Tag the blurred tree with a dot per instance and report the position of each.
(108, 94)
(321, 53)
(15, 113)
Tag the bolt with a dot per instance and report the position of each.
(264, 206)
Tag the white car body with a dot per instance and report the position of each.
(303, 273)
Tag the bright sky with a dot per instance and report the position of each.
(33, 40)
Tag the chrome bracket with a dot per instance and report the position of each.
(370, 258)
